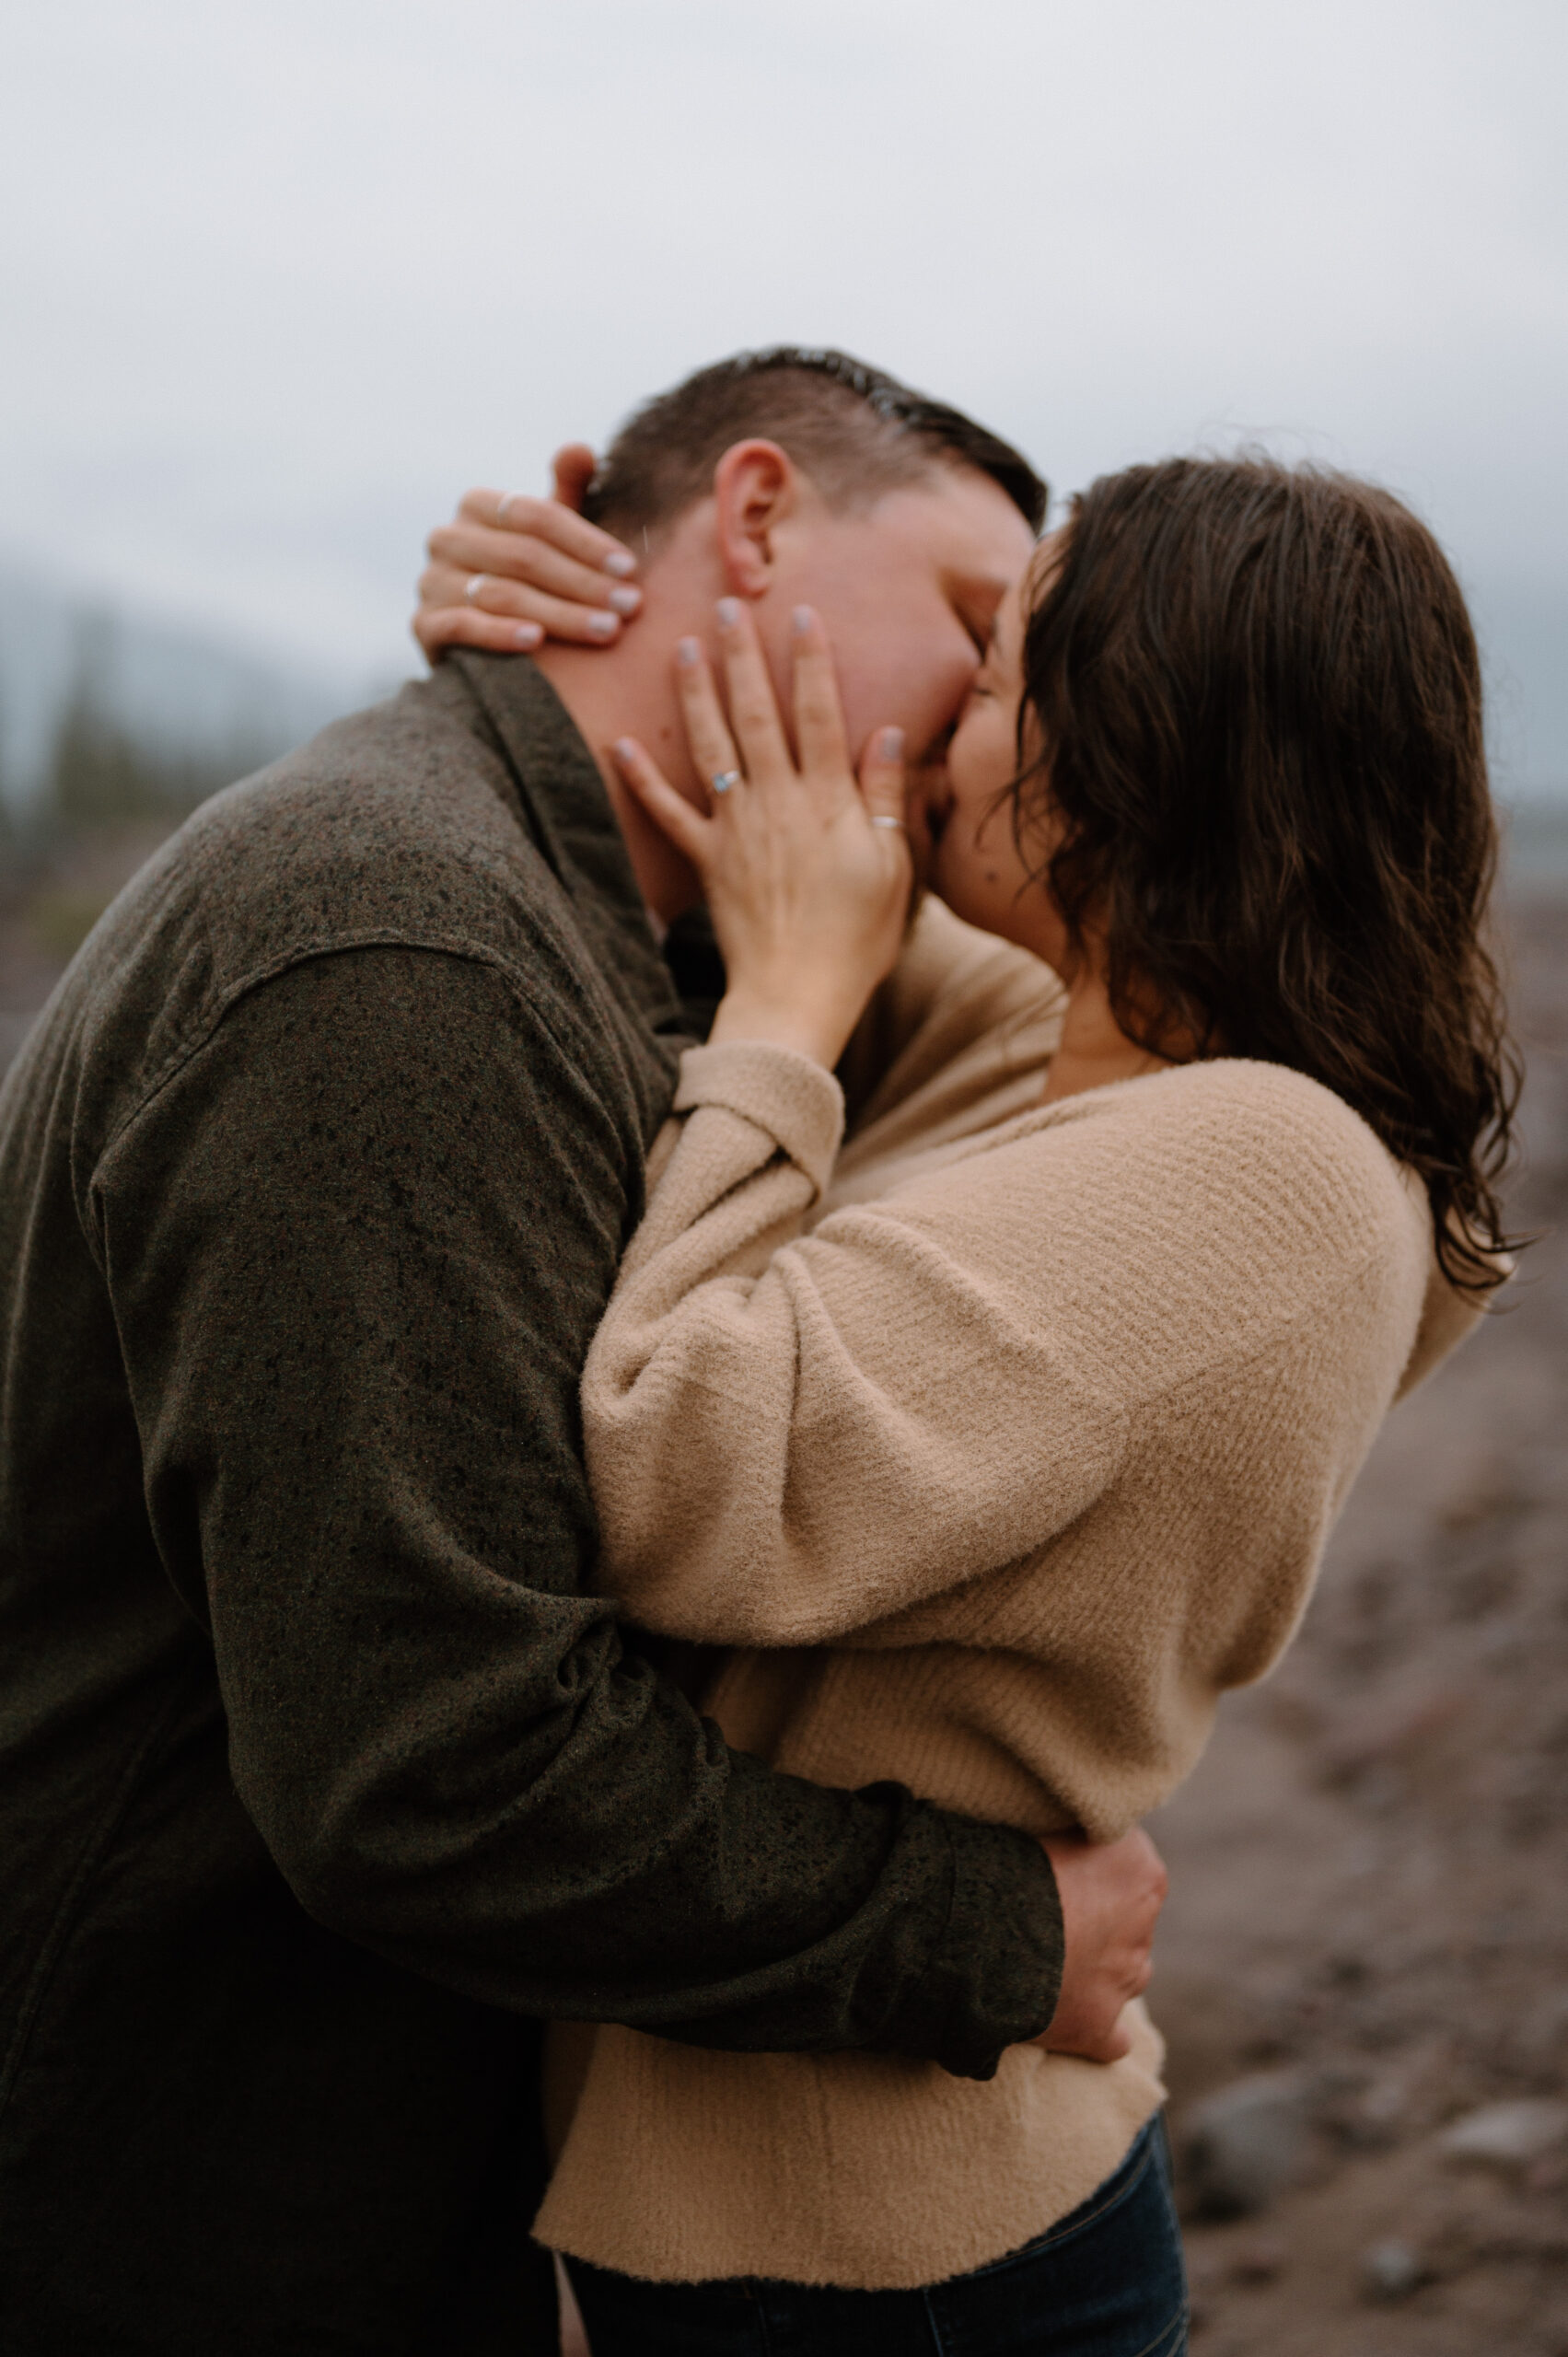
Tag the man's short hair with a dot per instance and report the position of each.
(854, 429)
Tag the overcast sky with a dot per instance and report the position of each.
(280, 276)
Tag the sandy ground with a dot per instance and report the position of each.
(1368, 1876)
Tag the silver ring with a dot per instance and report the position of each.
(721, 780)
(472, 586)
(880, 820)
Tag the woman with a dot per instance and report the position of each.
(997, 1471)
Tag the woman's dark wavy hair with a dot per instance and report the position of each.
(1259, 706)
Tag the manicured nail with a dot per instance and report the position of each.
(688, 652)
(803, 618)
(729, 612)
(528, 634)
(892, 744)
(625, 601)
(625, 751)
(602, 625)
(620, 561)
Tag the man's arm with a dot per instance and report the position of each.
(355, 1247)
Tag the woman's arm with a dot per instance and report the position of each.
(789, 1436)
(510, 571)
(748, 1383)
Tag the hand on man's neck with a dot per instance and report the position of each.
(720, 547)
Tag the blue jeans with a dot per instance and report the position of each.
(1105, 2281)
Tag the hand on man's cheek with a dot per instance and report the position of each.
(906, 589)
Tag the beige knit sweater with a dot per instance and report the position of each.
(997, 1465)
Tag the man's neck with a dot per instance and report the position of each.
(627, 691)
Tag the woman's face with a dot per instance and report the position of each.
(974, 863)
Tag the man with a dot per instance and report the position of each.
(325, 1775)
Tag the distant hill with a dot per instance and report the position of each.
(194, 702)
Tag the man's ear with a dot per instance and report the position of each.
(755, 485)
(571, 471)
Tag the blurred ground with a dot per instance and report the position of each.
(1369, 1893)
(1369, 1873)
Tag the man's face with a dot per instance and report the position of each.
(908, 589)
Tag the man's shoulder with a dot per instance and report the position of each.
(398, 823)
(398, 827)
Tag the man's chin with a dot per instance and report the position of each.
(921, 857)
(930, 799)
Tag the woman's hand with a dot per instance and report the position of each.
(509, 572)
(807, 872)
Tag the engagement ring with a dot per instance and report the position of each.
(721, 780)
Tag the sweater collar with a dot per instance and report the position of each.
(568, 813)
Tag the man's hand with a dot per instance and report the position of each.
(1111, 1894)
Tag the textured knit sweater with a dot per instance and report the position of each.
(996, 1471)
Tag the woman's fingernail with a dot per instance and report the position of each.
(892, 744)
(688, 652)
(620, 561)
(625, 750)
(625, 601)
(803, 618)
(729, 612)
(602, 625)
(528, 634)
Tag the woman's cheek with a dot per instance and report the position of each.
(980, 759)
(966, 878)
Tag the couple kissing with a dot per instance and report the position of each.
(673, 1309)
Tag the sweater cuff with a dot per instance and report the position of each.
(785, 1095)
(995, 1974)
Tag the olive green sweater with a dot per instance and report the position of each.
(323, 1770)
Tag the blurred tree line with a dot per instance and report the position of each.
(102, 773)
(109, 794)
